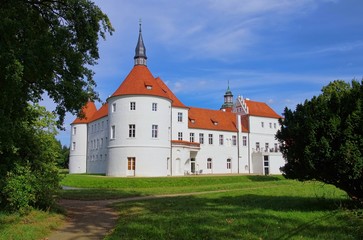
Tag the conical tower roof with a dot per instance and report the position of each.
(140, 81)
(88, 110)
(140, 50)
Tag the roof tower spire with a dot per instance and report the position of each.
(228, 99)
(140, 50)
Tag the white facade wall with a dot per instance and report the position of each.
(97, 154)
(180, 126)
(95, 151)
(78, 149)
(244, 153)
(180, 160)
(151, 154)
(263, 143)
(217, 152)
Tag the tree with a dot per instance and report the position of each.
(46, 47)
(63, 160)
(32, 179)
(323, 138)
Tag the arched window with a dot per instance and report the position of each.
(209, 163)
(229, 163)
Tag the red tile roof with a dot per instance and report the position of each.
(140, 81)
(185, 143)
(102, 112)
(261, 109)
(201, 118)
(88, 110)
(175, 101)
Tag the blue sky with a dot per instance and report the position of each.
(276, 51)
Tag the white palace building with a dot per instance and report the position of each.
(145, 130)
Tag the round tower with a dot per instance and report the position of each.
(78, 146)
(140, 123)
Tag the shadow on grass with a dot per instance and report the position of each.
(263, 178)
(97, 194)
(249, 216)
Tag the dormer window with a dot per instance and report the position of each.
(192, 120)
(214, 122)
(149, 87)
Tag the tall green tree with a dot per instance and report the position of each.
(46, 47)
(323, 138)
(32, 179)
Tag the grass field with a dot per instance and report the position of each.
(100, 187)
(250, 207)
(227, 207)
(35, 225)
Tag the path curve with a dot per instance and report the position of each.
(96, 219)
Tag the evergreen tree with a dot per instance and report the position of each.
(323, 138)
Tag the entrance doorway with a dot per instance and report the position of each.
(192, 165)
(131, 163)
(266, 165)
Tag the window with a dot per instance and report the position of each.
(265, 161)
(132, 130)
(234, 140)
(154, 131)
(180, 136)
(210, 138)
(262, 124)
(244, 141)
(113, 107)
(276, 147)
(74, 130)
(154, 107)
(73, 145)
(209, 163)
(132, 105)
(257, 146)
(266, 165)
(266, 147)
(275, 125)
(270, 125)
(180, 117)
(113, 132)
(220, 139)
(201, 138)
(229, 163)
(101, 142)
(131, 162)
(191, 137)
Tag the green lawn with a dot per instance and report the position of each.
(35, 225)
(101, 187)
(292, 211)
(250, 207)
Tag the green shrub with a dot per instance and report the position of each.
(18, 190)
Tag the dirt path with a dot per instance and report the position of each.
(96, 219)
(86, 220)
